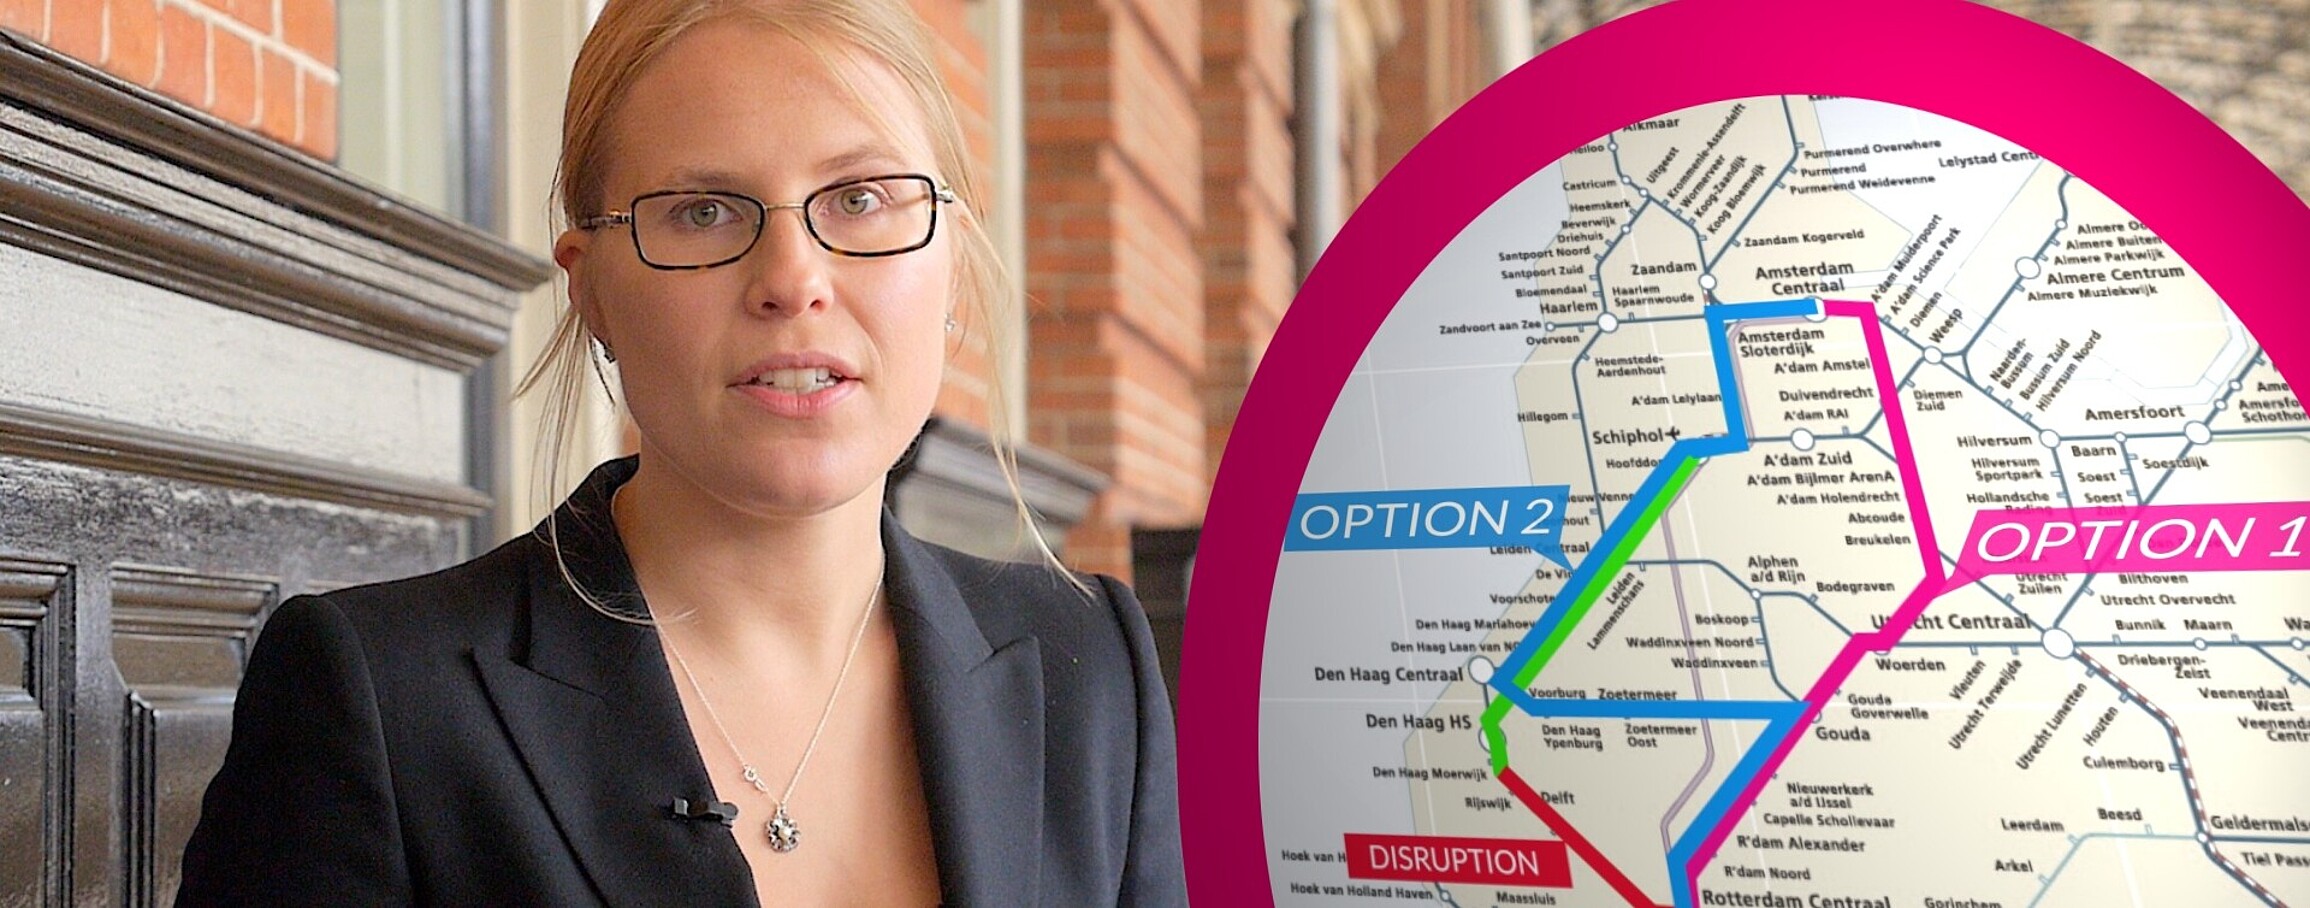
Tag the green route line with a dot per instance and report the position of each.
(1613, 562)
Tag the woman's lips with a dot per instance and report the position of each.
(799, 404)
(792, 364)
(797, 385)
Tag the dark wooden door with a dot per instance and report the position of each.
(228, 375)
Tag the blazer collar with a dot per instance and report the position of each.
(591, 705)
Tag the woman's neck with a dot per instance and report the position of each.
(741, 581)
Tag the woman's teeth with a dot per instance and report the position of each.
(797, 381)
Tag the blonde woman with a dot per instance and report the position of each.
(721, 674)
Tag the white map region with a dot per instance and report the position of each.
(1783, 350)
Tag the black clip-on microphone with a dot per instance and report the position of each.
(723, 811)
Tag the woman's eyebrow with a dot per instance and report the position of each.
(703, 178)
(863, 154)
(707, 177)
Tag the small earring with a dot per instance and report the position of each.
(950, 324)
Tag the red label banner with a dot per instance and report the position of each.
(1446, 859)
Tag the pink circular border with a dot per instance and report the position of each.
(2230, 218)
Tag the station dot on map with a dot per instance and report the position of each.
(2197, 433)
(2059, 644)
(1483, 743)
(1547, 326)
(1759, 596)
(1802, 438)
(2237, 386)
(2061, 224)
(1608, 322)
(2028, 268)
(1708, 282)
(2204, 838)
(2049, 438)
(2120, 438)
(1480, 670)
(1933, 354)
(1626, 180)
(2298, 644)
(2199, 643)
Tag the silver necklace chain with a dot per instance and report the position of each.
(785, 835)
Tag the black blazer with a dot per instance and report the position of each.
(480, 736)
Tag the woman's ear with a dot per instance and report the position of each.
(569, 251)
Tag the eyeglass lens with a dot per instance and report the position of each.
(868, 217)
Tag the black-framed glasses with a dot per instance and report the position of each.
(681, 230)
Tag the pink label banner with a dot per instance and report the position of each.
(2259, 536)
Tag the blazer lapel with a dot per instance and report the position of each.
(978, 726)
(593, 711)
(591, 706)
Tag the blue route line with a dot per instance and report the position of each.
(1780, 717)
(1658, 709)
(1687, 845)
(1624, 522)
(1720, 345)
(1504, 679)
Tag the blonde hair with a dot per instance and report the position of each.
(627, 37)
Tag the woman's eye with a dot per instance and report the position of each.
(704, 213)
(857, 200)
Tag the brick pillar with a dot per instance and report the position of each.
(1115, 351)
(266, 65)
(1248, 258)
(1435, 65)
(962, 59)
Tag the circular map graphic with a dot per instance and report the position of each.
(1800, 501)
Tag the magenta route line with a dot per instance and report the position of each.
(1879, 640)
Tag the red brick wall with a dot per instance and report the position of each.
(1436, 65)
(963, 62)
(267, 65)
(1115, 274)
(1250, 267)
(1159, 221)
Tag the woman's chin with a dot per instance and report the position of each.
(795, 484)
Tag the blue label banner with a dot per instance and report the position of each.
(1531, 516)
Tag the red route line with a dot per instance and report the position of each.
(1579, 844)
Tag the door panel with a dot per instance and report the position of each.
(226, 370)
(180, 641)
(28, 739)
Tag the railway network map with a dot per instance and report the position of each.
(1798, 501)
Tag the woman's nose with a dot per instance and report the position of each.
(788, 270)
